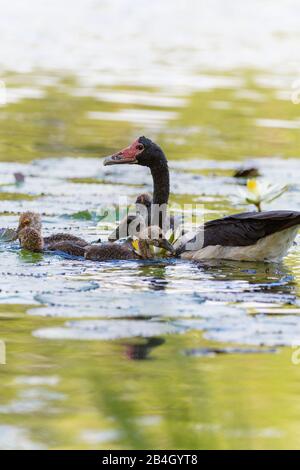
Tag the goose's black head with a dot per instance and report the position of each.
(141, 152)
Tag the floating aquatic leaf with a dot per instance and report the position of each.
(83, 215)
(7, 235)
(108, 330)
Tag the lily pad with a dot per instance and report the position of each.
(83, 215)
(7, 235)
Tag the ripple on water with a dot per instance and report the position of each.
(161, 89)
(259, 330)
(251, 323)
(108, 330)
(217, 298)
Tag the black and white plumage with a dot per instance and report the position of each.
(254, 236)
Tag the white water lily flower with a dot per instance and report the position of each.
(258, 192)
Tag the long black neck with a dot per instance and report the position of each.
(161, 182)
(161, 191)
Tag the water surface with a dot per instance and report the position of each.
(163, 354)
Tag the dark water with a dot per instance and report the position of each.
(162, 354)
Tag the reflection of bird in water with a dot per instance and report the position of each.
(158, 284)
(140, 351)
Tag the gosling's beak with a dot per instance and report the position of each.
(127, 155)
(166, 245)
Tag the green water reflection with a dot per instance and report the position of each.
(144, 392)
